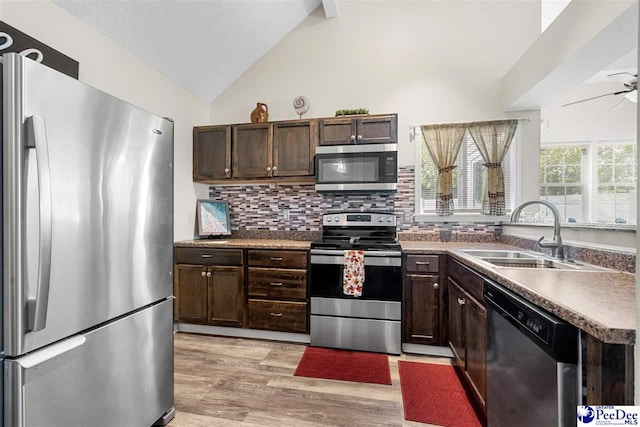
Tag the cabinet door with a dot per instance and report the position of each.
(294, 144)
(211, 153)
(456, 322)
(422, 307)
(337, 131)
(252, 151)
(191, 293)
(476, 346)
(226, 296)
(377, 129)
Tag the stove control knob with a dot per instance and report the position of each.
(380, 219)
(389, 219)
(336, 219)
(328, 219)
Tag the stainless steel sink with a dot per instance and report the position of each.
(498, 253)
(529, 263)
(528, 259)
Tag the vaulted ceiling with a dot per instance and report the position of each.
(204, 45)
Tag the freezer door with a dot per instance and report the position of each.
(120, 374)
(88, 217)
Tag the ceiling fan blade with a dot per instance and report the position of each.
(599, 96)
(624, 77)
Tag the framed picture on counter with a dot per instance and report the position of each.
(213, 218)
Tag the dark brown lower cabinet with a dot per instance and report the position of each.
(277, 288)
(421, 309)
(207, 292)
(226, 296)
(277, 315)
(609, 373)
(191, 294)
(468, 328)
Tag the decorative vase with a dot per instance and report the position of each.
(260, 114)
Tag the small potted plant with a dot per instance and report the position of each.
(352, 112)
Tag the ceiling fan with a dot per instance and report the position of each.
(630, 82)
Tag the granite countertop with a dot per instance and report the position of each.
(245, 243)
(601, 303)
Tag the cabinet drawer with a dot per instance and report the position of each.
(277, 315)
(277, 259)
(208, 256)
(422, 263)
(467, 279)
(277, 283)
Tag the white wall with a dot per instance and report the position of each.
(109, 67)
(429, 61)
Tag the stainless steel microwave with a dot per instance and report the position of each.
(368, 167)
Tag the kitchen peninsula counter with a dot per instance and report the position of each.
(601, 303)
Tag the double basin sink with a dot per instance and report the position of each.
(528, 259)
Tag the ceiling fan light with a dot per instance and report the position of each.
(632, 96)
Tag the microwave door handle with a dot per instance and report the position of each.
(37, 141)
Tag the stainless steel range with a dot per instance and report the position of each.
(372, 321)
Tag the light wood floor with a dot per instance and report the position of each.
(221, 381)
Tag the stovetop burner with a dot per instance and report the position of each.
(358, 230)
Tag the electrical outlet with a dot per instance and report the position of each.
(285, 214)
(408, 217)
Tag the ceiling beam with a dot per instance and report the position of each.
(584, 39)
(330, 8)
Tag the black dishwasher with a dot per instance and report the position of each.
(533, 368)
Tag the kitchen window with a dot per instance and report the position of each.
(469, 182)
(592, 181)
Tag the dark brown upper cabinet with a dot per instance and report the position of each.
(294, 144)
(369, 129)
(252, 151)
(211, 153)
(279, 151)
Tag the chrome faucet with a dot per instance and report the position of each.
(555, 245)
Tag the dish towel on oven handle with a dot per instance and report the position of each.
(353, 278)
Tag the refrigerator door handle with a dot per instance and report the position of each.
(37, 140)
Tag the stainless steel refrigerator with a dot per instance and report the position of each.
(87, 232)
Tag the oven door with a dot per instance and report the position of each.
(382, 275)
(357, 168)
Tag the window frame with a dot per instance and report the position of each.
(590, 178)
(465, 216)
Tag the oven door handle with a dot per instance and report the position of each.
(378, 261)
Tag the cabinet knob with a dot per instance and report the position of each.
(275, 168)
(203, 274)
(268, 168)
(226, 170)
(436, 286)
(461, 301)
(208, 274)
(353, 137)
(359, 137)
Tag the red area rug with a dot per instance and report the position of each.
(356, 366)
(433, 394)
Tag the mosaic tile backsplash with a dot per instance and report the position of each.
(297, 207)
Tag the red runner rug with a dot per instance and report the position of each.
(356, 366)
(433, 394)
